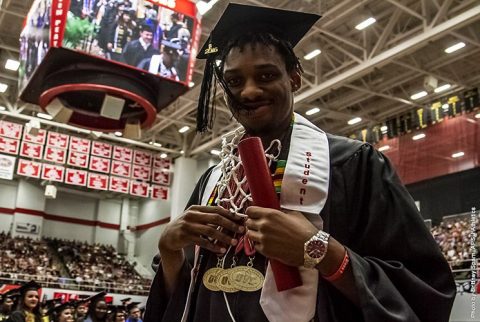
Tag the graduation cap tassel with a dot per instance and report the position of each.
(203, 109)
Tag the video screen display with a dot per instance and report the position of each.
(138, 33)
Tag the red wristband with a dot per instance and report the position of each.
(341, 269)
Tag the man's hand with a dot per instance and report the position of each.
(279, 235)
(198, 225)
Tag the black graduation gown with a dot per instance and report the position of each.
(399, 271)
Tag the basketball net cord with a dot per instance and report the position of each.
(233, 195)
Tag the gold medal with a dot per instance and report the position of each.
(223, 281)
(246, 279)
(210, 278)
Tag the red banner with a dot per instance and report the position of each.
(120, 168)
(78, 159)
(11, 130)
(101, 149)
(97, 181)
(119, 184)
(9, 146)
(159, 192)
(56, 155)
(58, 140)
(29, 168)
(99, 164)
(76, 177)
(52, 172)
(80, 145)
(31, 150)
(139, 189)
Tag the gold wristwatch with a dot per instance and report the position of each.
(315, 249)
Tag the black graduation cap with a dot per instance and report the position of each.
(132, 306)
(125, 300)
(96, 297)
(238, 20)
(32, 285)
(10, 294)
(57, 309)
(114, 309)
(50, 304)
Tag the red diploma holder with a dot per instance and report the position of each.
(84, 64)
(263, 194)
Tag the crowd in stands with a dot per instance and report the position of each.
(66, 264)
(100, 264)
(96, 267)
(22, 256)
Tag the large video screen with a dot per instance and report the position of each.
(138, 33)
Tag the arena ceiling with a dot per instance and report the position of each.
(369, 73)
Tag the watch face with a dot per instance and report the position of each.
(316, 249)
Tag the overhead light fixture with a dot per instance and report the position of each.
(155, 143)
(12, 64)
(458, 154)
(163, 155)
(384, 148)
(3, 87)
(312, 54)
(184, 129)
(442, 88)
(418, 95)
(44, 116)
(384, 129)
(191, 84)
(2, 108)
(364, 24)
(418, 136)
(312, 111)
(182, 152)
(477, 116)
(214, 152)
(118, 133)
(354, 121)
(455, 47)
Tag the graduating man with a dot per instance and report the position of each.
(347, 225)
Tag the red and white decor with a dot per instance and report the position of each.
(159, 192)
(38, 139)
(101, 149)
(80, 145)
(29, 168)
(121, 153)
(97, 181)
(54, 154)
(142, 158)
(31, 150)
(99, 164)
(118, 184)
(78, 159)
(10, 146)
(120, 168)
(76, 177)
(161, 176)
(58, 140)
(141, 173)
(11, 130)
(139, 189)
(158, 162)
(52, 172)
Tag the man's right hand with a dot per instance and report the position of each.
(198, 225)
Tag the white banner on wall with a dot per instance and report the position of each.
(27, 228)
(7, 165)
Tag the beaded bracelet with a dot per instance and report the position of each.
(335, 276)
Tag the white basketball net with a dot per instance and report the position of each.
(230, 165)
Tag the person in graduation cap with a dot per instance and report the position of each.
(28, 306)
(117, 314)
(97, 309)
(7, 300)
(62, 313)
(347, 226)
(134, 314)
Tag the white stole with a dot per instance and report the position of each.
(304, 188)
